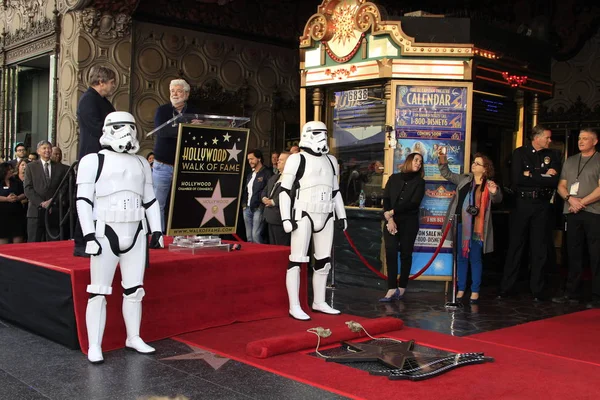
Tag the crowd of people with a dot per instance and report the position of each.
(29, 184)
(537, 176)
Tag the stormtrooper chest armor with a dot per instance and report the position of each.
(119, 188)
(316, 185)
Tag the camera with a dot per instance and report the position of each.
(473, 210)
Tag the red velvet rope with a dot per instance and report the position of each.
(414, 276)
(379, 274)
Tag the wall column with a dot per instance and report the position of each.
(90, 38)
(3, 145)
(520, 132)
(317, 101)
(535, 110)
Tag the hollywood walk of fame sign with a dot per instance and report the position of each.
(207, 180)
(402, 359)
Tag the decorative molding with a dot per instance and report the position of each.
(35, 31)
(105, 6)
(41, 46)
(341, 73)
(126, 7)
(26, 8)
(322, 27)
(576, 116)
(328, 75)
(105, 25)
(64, 6)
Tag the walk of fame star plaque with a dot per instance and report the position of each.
(401, 359)
(207, 179)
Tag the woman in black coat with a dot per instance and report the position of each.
(12, 213)
(401, 201)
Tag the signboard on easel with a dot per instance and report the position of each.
(207, 180)
(432, 117)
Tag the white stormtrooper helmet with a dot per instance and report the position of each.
(314, 137)
(119, 133)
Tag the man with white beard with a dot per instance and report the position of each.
(166, 142)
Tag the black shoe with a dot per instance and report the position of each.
(540, 298)
(502, 296)
(593, 304)
(474, 301)
(80, 253)
(565, 300)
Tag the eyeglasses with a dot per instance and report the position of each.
(478, 164)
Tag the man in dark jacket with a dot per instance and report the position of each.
(20, 154)
(93, 108)
(251, 199)
(165, 144)
(270, 199)
(42, 178)
(535, 172)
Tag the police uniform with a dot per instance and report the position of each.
(532, 218)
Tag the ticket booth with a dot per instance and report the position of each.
(384, 94)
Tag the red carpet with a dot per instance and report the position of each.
(575, 336)
(184, 293)
(516, 374)
(294, 337)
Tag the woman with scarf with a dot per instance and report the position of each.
(472, 203)
(401, 201)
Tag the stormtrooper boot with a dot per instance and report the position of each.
(132, 314)
(95, 321)
(292, 283)
(319, 289)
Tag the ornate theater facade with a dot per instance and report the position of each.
(48, 47)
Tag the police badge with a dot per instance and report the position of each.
(546, 160)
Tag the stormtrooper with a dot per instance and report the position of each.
(309, 203)
(115, 203)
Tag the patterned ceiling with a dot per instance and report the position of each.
(565, 24)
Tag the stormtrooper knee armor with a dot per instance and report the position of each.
(115, 204)
(309, 203)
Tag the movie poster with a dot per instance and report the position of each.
(430, 149)
(207, 180)
(435, 203)
(430, 119)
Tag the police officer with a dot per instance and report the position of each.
(535, 171)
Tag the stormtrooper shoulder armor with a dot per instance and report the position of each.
(87, 170)
(293, 170)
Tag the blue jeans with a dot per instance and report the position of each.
(253, 219)
(162, 177)
(475, 257)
